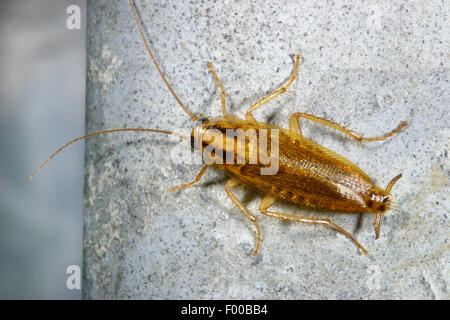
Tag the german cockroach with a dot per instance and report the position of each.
(306, 173)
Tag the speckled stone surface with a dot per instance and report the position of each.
(367, 65)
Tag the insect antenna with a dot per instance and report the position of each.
(99, 133)
(135, 15)
(133, 9)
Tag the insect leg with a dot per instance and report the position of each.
(230, 185)
(222, 90)
(197, 178)
(294, 125)
(274, 94)
(268, 201)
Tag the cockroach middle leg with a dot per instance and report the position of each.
(222, 90)
(230, 184)
(249, 116)
(197, 179)
(294, 125)
(268, 201)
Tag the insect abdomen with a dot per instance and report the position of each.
(308, 174)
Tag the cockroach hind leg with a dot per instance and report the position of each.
(350, 133)
(294, 125)
(269, 201)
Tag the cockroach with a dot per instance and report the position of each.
(307, 174)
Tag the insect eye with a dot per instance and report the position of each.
(192, 141)
(385, 199)
(200, 122)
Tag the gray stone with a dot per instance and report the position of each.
(367, 66)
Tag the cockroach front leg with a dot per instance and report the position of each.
(222, 90)
(268, 201)
(249, 116)
(230, 185)
(294, 125)
(197, 179)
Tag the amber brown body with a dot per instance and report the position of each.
(308, 173)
